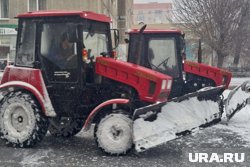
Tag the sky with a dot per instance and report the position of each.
(147, 1)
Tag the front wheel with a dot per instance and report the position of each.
(22, 123)
(114, 134)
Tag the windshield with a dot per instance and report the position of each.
(95, 38)
(95, 43)
(162, 55)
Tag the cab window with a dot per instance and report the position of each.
(26, 44)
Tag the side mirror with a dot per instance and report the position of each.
(115, 38)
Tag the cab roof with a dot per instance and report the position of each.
(155, 31)
(63, 13)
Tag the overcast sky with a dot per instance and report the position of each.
(147, 1)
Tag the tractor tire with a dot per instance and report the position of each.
(113, 134)
(65, 126)
(22, 122)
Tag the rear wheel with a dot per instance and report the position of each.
(114, 134)
(22, 123)
(65, 126)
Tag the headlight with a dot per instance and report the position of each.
(164, 84)
(169, 84)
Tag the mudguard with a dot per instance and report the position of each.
(44, 101)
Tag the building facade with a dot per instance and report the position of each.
(152, 13)
(11, 8)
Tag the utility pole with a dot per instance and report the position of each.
(121, 21)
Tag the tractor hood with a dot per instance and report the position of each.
(151, 86)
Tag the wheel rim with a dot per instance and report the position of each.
(114, 134)
(18, 118)
(18, 122)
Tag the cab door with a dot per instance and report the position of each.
(60, 64)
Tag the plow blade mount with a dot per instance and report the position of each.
(237, 99)
(161, 122)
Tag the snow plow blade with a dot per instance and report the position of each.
(237, 99)
(161, 122)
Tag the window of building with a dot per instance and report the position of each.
(35, 5)
(140, 17)
(4, 8)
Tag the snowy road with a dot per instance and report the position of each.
(82, 151)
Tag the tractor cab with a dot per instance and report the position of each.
(160, 50)
(64, 45)
(60, 40)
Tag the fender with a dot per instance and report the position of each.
(45, 103)
(96, 110)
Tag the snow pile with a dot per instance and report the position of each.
(238, 81)
(235, 98)
(174, 118)
(240, 122)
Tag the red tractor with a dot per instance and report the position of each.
(164, 51)
(65, 77)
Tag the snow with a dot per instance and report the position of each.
(237, 96)
(174, 118)
(189, 114)
(240, 122)
(238, 81)
(35, 158)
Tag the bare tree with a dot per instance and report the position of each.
(217, 22)
(242, 35)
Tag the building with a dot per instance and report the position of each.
(153, 13)
(11, 8)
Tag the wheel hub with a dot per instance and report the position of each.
(18, 118)
(116, 132)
